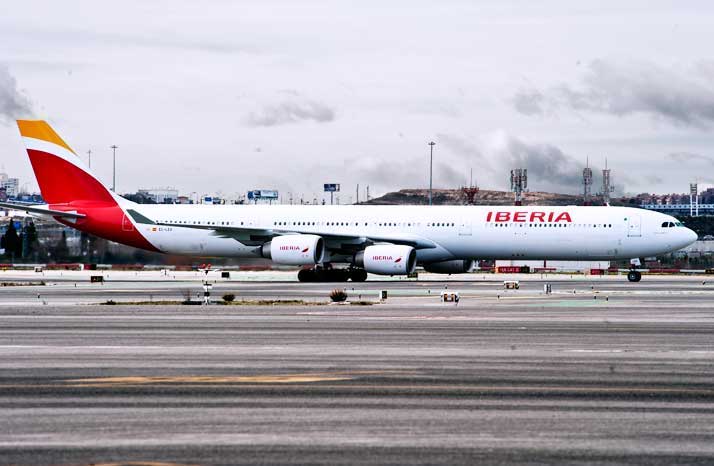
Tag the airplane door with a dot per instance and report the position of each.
(465, 228)
(634, 226)
(126, 224)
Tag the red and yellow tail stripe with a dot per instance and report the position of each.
(39, 129)
(67, 185)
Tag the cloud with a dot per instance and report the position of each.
(687, 157)
(385, 174)
(681, 98)
(13, 103)
(653, 179)
(291, 112)
(529, 102)
(465, 150)
(549, 168)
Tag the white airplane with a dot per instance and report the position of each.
(387, 240)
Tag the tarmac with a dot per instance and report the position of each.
(601, 371)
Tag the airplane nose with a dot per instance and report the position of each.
(691, 236)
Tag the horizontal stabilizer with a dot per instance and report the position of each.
(38, 209)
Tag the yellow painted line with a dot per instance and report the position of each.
(243, 379)
(260, 379)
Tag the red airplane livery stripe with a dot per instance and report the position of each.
(524, 217)
(67, 187)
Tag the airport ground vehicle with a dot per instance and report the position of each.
(388, 240)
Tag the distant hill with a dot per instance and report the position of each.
(484, 197)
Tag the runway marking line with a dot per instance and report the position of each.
(140, 463)
(255, 379)
(258, 381)
(207, 379)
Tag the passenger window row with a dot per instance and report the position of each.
(347, 224)
(197, 222)
(554, 225)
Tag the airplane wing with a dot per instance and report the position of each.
(38, 209)
(335, 241)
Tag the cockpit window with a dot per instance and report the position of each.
(665, 225)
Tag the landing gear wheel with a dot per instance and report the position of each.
(322, 275)
(344, 275)
(634, 276)
(335, 275)
(358, 275)
(307, 275)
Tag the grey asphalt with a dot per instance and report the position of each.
(516, 379)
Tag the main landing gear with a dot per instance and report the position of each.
(634, 276)
(327, 274)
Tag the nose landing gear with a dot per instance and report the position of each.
(634, 276)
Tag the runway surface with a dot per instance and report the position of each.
(520, 378)
(56, 288)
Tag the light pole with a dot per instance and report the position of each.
(114, 148)
(431, 166)
(89, 156)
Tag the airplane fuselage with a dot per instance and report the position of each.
(457, 232)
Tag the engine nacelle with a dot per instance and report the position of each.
(388, 259)
(452, 266)
(295, 249)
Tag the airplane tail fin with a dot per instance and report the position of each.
(63, 177)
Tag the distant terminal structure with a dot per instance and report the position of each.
(10, 186)
(519, 183)
(263, 195)
(681, 209)
(160, 195)
(677, 205)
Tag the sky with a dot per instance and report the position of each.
(227, 96)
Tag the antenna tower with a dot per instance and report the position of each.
(607, 187)
(519, 183)
(587, 182)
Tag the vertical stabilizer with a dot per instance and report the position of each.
(63, 177)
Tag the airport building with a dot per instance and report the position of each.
(694, 204)
(161, 195)
(681, 209)
(10, 185)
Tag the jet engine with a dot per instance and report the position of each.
(294, 249)
(452, 266)
(387, 259)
